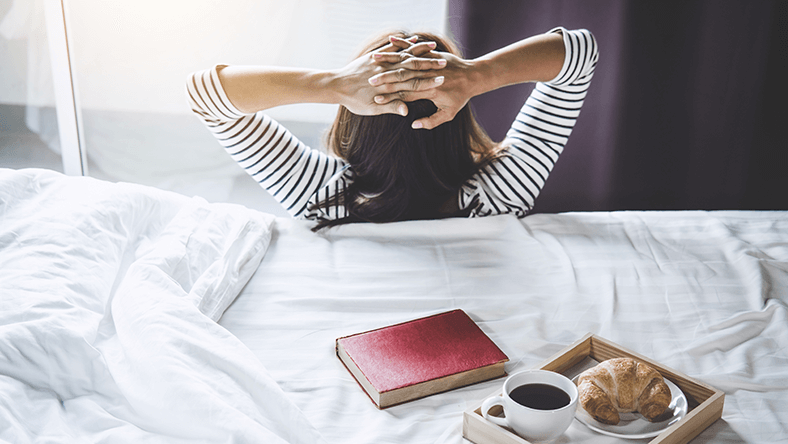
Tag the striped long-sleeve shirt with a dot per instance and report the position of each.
(299, 176)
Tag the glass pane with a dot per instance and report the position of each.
(28, 121)
(132, 60)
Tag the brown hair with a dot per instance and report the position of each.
(400, 173)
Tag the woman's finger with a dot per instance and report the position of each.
(391, 57)
(410, 46)
(404, 96)
(419, 64)
(397, 44)
(399, 76)
(388, 48)
(403, 43)
(400, 60)
(433, 121)
(394, 107)
(422, 48)
(419, 84)
(398, 57)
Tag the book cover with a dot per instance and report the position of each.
(418, 358)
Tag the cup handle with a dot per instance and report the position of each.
(487, 405)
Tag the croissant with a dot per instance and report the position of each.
(622, 385)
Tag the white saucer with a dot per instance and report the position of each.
(633, 425)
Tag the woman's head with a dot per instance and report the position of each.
(402, 173)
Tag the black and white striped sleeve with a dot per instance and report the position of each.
(511, 183)
(291, 171)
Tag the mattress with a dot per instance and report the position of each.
(131, 351)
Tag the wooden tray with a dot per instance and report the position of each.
(704, 402)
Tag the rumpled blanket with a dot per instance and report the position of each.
(109, 297)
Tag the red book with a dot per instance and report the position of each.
(418, 358)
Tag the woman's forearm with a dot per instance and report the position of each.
(256, 88)
(534, 59)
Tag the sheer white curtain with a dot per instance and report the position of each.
(27, 75)
(132, 58)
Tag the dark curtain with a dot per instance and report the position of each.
(687, 109)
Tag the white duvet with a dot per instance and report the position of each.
(109, 295)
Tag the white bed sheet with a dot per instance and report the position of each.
(106, 333)
(701, 292)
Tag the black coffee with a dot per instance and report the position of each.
(540, 396)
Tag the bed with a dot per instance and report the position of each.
(130, 314)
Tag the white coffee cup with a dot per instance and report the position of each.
(534, 424)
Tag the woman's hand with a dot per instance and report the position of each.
(534, 59)
(257, 88)
(456, 88)
(357, 92)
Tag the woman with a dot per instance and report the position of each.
(404, 144)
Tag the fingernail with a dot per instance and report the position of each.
(441, 62)
(417, 125)
(432, 45)
(374, 80)
(378, 99)
(402, 110)
(439, 79)
(380, 56)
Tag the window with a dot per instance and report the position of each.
(131, 59)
